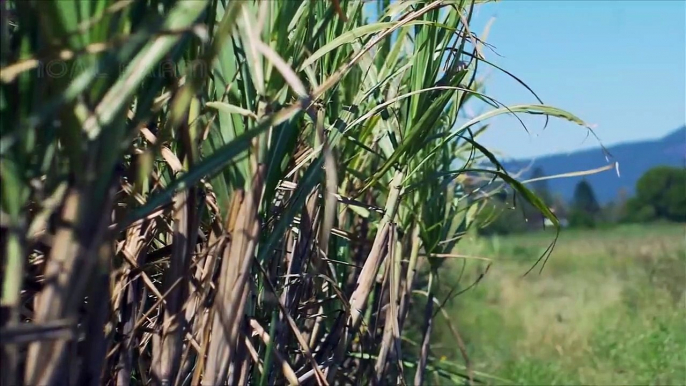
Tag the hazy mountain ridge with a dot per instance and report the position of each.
(634, 158)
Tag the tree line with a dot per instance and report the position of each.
(660, 195)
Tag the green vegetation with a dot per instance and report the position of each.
(585, 210)
(204, 191)
(608, 309)
(660, 195)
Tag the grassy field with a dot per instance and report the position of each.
(609, 308)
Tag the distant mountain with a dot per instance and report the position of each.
(634, 158)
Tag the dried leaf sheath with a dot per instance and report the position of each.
(233, 289)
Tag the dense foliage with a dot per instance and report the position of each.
(585, 210)
(660, 194)
(212, 191)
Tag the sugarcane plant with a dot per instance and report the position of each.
(215, 192)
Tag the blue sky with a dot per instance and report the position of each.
(620, 65)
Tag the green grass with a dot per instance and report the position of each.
(609, 308)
